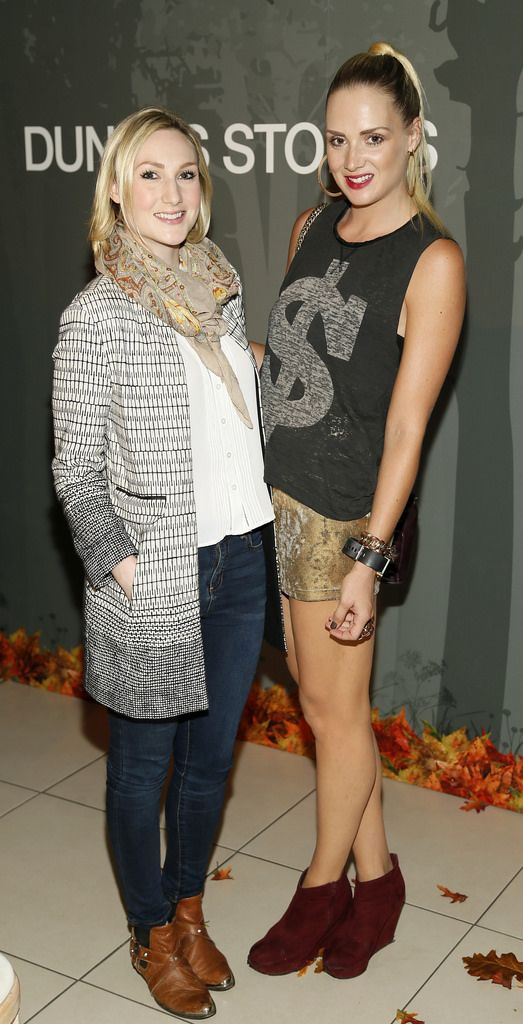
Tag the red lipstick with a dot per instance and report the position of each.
(358, 181)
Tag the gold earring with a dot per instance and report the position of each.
(333, 195)
(411, 174)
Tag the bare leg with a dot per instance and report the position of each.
(333, 677)
(334, 693)
(370, 849)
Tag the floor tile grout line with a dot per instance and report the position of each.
(75, 772)
(220, 863)
(439, 913)
(504, 889)
(17, 807)
(496, 931)
(278, 818)
(81, 803)
(462, 920)
(436, 969)
(18, 785)
(267, 860)
(69, 800)
(129, 999)
(229, 849)
(50, 1003)
(104, 958)
(25, 960)
(99, 988)
(57, 782)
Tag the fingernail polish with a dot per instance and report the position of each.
(333, 624)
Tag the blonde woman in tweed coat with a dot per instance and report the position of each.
(158, 468)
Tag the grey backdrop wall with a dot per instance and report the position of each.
(253, 77)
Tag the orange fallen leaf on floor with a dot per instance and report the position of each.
(474, 804)
(454, 897)
(318, 965)
(500, 970)
(222, 875)
(408, 1018)
(303, 970)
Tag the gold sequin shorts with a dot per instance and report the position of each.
(312, 564)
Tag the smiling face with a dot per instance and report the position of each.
(368, 146)
(165, 193)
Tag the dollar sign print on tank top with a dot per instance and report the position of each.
(302, 391)
(333, 353)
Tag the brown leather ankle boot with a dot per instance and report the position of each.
(171, 981)
(196, 945)
(371, 925)
(300, 934)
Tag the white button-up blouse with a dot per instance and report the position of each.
(231, 496)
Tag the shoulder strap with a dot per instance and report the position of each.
(313, 215)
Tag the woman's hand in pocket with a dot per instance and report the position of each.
(124, 575)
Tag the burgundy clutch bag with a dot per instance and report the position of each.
(403, 543)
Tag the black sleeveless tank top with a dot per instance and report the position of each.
(331, 361)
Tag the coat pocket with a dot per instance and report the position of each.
(138, 508)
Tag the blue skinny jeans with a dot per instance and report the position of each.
(232, 608)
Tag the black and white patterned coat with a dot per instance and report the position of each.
(123, 474)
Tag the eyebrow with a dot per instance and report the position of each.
(153, 163)
(366, 131)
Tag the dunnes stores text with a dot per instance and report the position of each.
(78, 147)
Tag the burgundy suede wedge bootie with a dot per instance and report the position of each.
(300, 934)
(371, 925)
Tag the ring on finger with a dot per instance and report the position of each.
(367, 630)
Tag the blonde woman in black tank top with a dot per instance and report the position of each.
(360, 342)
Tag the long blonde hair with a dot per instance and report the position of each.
(386, 68)
(117, 166)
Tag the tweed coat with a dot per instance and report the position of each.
(123, 474)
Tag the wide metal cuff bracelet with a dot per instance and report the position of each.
(372, 559)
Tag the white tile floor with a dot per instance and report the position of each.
(63, 928)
